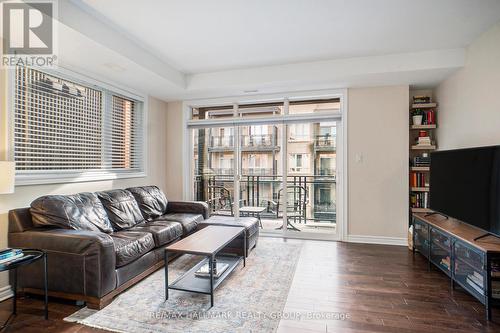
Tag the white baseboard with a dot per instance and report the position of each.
(377, 240)
(5, 293)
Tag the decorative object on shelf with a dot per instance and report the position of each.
(410, 237)
(219, 268)
(417, 116)
(7, 177)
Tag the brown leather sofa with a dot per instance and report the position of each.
(99, 244)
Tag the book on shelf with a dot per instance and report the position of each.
(424, 140)
(8, 253)
(474, 285)
(421, 161)
(429, 117)
(495, 289)
(419, 200)
(418, 179)
(10, 259)
(477, 278)
(421, 99)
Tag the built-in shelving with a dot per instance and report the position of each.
(419, 189)
(419, 171)
(421, 210)
(417, 147)
(419, 127)
(423, 105)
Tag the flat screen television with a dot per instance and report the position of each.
(465, 184)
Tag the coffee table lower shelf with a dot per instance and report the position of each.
(201, 285)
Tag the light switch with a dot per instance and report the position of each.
(359, 158)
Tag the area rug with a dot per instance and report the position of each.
(249, 300)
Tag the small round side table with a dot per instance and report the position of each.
(29, 256)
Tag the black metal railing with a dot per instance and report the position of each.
(262, 191)
(325, 141)
(246, 141)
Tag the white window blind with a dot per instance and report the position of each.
(64, 128)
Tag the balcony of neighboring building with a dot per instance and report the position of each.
(325, 142)
(260, 142)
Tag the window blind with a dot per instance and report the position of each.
(66, 127)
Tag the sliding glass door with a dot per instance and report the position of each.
(276, 161)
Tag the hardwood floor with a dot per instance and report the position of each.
(379, 288)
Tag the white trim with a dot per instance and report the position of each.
(100, 175)
(6, 293)
(266, 98)
(342, 94)
(284, 169)
(377, 240)
(343, 174)
(300, 235)
(275, 119)
(23, 180)
(187, 153)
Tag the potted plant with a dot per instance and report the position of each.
(417, 116)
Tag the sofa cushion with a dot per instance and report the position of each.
(82, 211)
(152, 201)
(251, 224)
(189, 222)
(130, 245)
(123, 211)
(163, 232)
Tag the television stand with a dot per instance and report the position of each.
(485, 235)
(451, 246)
(436, 213)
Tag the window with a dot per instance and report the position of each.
(66, 129)
(300, 132)
(298, 162)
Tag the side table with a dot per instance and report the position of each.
(29, 257)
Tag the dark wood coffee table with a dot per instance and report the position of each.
(208, 242)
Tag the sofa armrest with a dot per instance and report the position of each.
(79, 262)
(194, 207)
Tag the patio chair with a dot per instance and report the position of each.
(220, 200)
(296, 207)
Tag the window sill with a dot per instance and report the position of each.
(44, 179)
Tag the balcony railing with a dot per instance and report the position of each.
(246, 141)
(325, 172)
(262, 191)
(325, 142)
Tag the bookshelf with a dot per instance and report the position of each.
(422, 141)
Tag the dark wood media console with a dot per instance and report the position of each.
(449, 245)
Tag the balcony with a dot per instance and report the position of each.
(245, 172)
(265, 142)
(325, 143)
(325, 172)
(310, 209)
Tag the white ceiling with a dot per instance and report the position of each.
(198, 49)
(204, 36)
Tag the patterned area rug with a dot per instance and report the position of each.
(249, 300)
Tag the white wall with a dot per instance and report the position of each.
(469, 100)
(156, 173)
(175, 172)
(378, 164)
